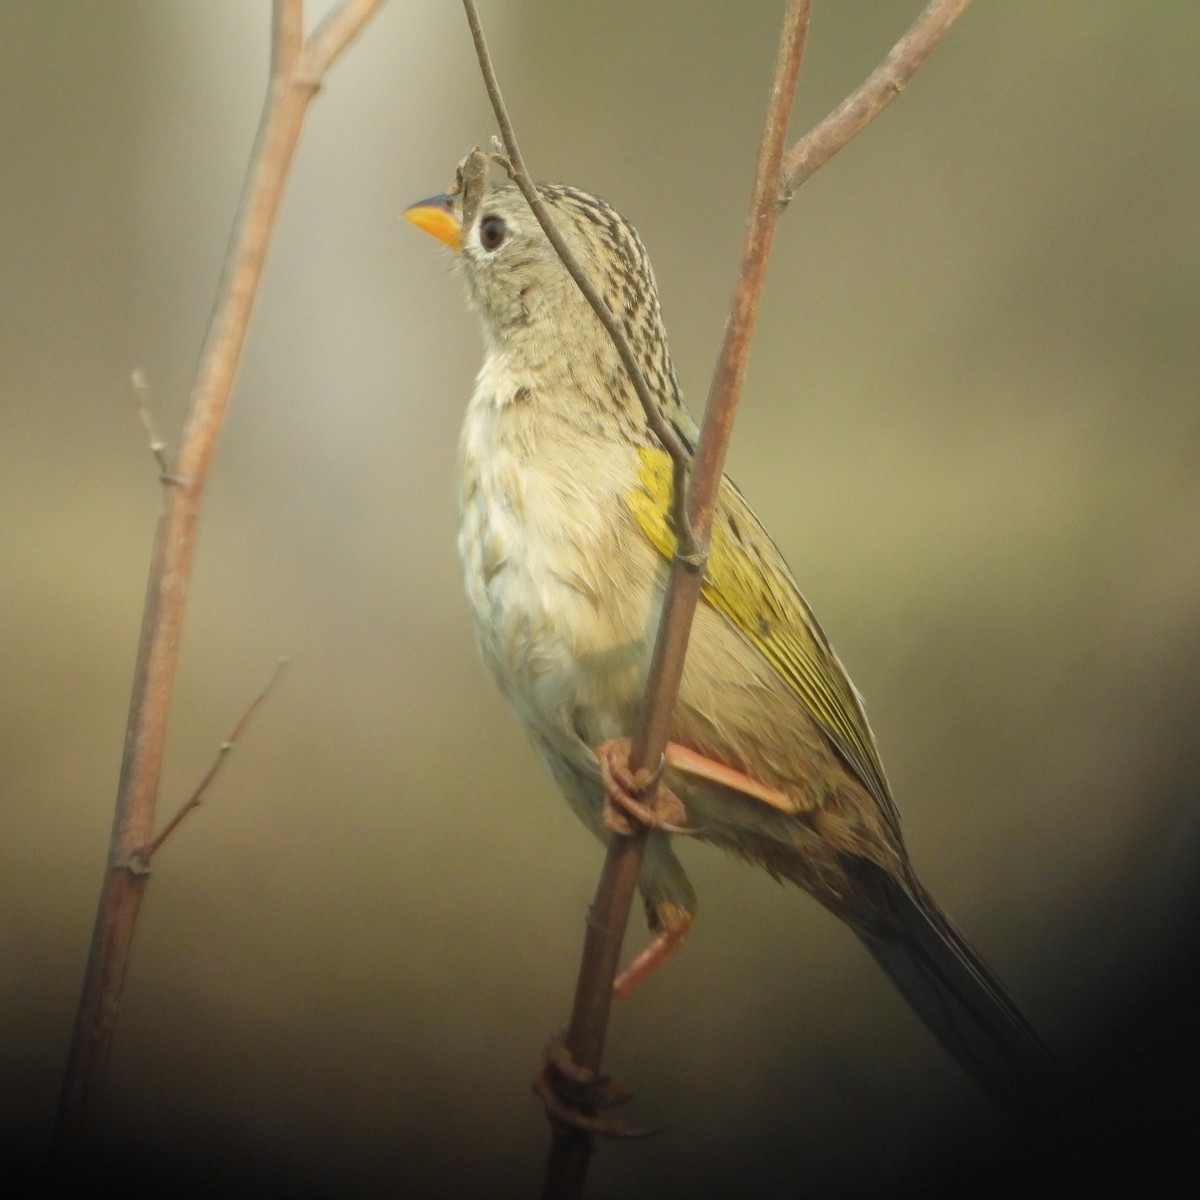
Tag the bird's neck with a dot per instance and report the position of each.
(572, 379)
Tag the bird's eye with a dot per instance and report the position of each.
(492, 231)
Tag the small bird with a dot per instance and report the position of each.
(566, 536)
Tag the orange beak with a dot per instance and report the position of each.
(436, 216)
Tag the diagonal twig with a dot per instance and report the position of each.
(142, 857)
(864, 104)
(683, 591)
(662, 427)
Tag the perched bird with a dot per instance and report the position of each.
(565, 539)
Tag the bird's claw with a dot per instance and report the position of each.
(624, 791)
(573, 1096)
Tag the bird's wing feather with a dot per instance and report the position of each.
(749, 583)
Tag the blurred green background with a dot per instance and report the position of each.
(971, 422)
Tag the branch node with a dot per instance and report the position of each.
(306, 78)
(137, 864)
(501, 159)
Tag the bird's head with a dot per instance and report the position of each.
(528, 302)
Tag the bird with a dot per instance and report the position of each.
(566, 534)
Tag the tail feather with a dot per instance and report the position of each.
(958, 997)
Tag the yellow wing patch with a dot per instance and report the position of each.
(748, 582)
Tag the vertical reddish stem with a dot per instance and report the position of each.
(296, 70)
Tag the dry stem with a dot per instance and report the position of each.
(297, 68)
(142, 857)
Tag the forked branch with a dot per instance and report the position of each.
(297, 69)
(864, 104)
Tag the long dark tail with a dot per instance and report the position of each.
(956, 994)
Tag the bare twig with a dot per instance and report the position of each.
(336, 30)
(881, 87)
(663, 428)
(297, 68)
(142, 857)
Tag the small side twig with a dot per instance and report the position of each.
(866, 102)
(663, 428)
(142, 857)
(141, 389)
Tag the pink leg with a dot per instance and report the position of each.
(660, 948)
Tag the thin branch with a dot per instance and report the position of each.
(287, 36)
(881, 87)
(650, 737)
(571, 1149)
(143, 856)
(292, 86)
(663, 428)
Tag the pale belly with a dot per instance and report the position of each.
(565, 622)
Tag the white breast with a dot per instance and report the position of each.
(545, 544)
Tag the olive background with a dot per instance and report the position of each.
(971, 422)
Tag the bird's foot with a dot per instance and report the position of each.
(574, 1096)
(625, 793)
